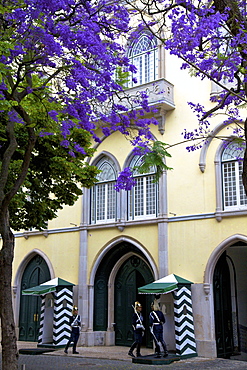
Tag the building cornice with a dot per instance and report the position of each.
(121, 225)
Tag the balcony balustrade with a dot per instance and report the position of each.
(160, 94)
(159, 98)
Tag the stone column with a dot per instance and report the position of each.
(163, 228)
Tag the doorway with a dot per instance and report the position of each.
(36, 273)
(223, 308)
(134, 272)
(132, 275)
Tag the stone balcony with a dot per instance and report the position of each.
(160, 98)
(160, 93)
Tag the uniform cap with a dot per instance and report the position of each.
(155, 305)
(137, 304)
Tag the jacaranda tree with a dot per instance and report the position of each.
(58, 66)
(210, 38)
(58, 86)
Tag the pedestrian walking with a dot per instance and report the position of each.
(75, 323)
(137, 323)
(156, 322)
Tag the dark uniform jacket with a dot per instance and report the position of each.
(137, 322)
(75, 323)
(156, 319)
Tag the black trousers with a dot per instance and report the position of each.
(138, 341)
(73, 338)
(158, 338)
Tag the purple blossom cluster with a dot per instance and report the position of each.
(69, 49)
(125, 180)
(210, 38)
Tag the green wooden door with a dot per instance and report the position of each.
(133, 274)
(223, 308)
(36, 272)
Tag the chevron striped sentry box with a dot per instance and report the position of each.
(62, 313)
(55, 316)
(55, 311)
(184, 323)
(58, 319)
(183, 315)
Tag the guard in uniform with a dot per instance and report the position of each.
(75, 323)
(137, 323)
(156, 322)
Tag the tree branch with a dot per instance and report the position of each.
(7, 156)
(8, 153)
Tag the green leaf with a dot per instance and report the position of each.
(155, 158)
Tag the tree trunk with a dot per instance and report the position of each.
(9, 344)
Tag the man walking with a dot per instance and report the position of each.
(75, 323)
(137, 323)
(156, 322)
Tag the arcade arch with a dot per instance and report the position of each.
(225, 278)
(34, 269)
(119, 270)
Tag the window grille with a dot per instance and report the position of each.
(143, 197)
(103, 194)
(143, 54)
(232, 167)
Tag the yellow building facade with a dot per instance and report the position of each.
(192, 224)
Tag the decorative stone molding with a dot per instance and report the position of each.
(121, 227)
(25, 235)
(45, 233)
(206, 287)
(211, 136)
(202, 167)
(218, 216)
(14, 289)
(161, 118)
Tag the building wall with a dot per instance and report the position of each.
(61, 249)
(99, 239)
(183, 240)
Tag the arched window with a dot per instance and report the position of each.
(143, 54)
(103, 194)
(143, 197)
(232, 168)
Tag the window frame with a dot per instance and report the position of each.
(231, 168)
(103, 187)
(132, 210)
(145, 58)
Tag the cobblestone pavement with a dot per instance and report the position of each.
(48, 362)
(114, 357)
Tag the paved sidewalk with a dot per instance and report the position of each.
(102, 352)
(113, 353)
